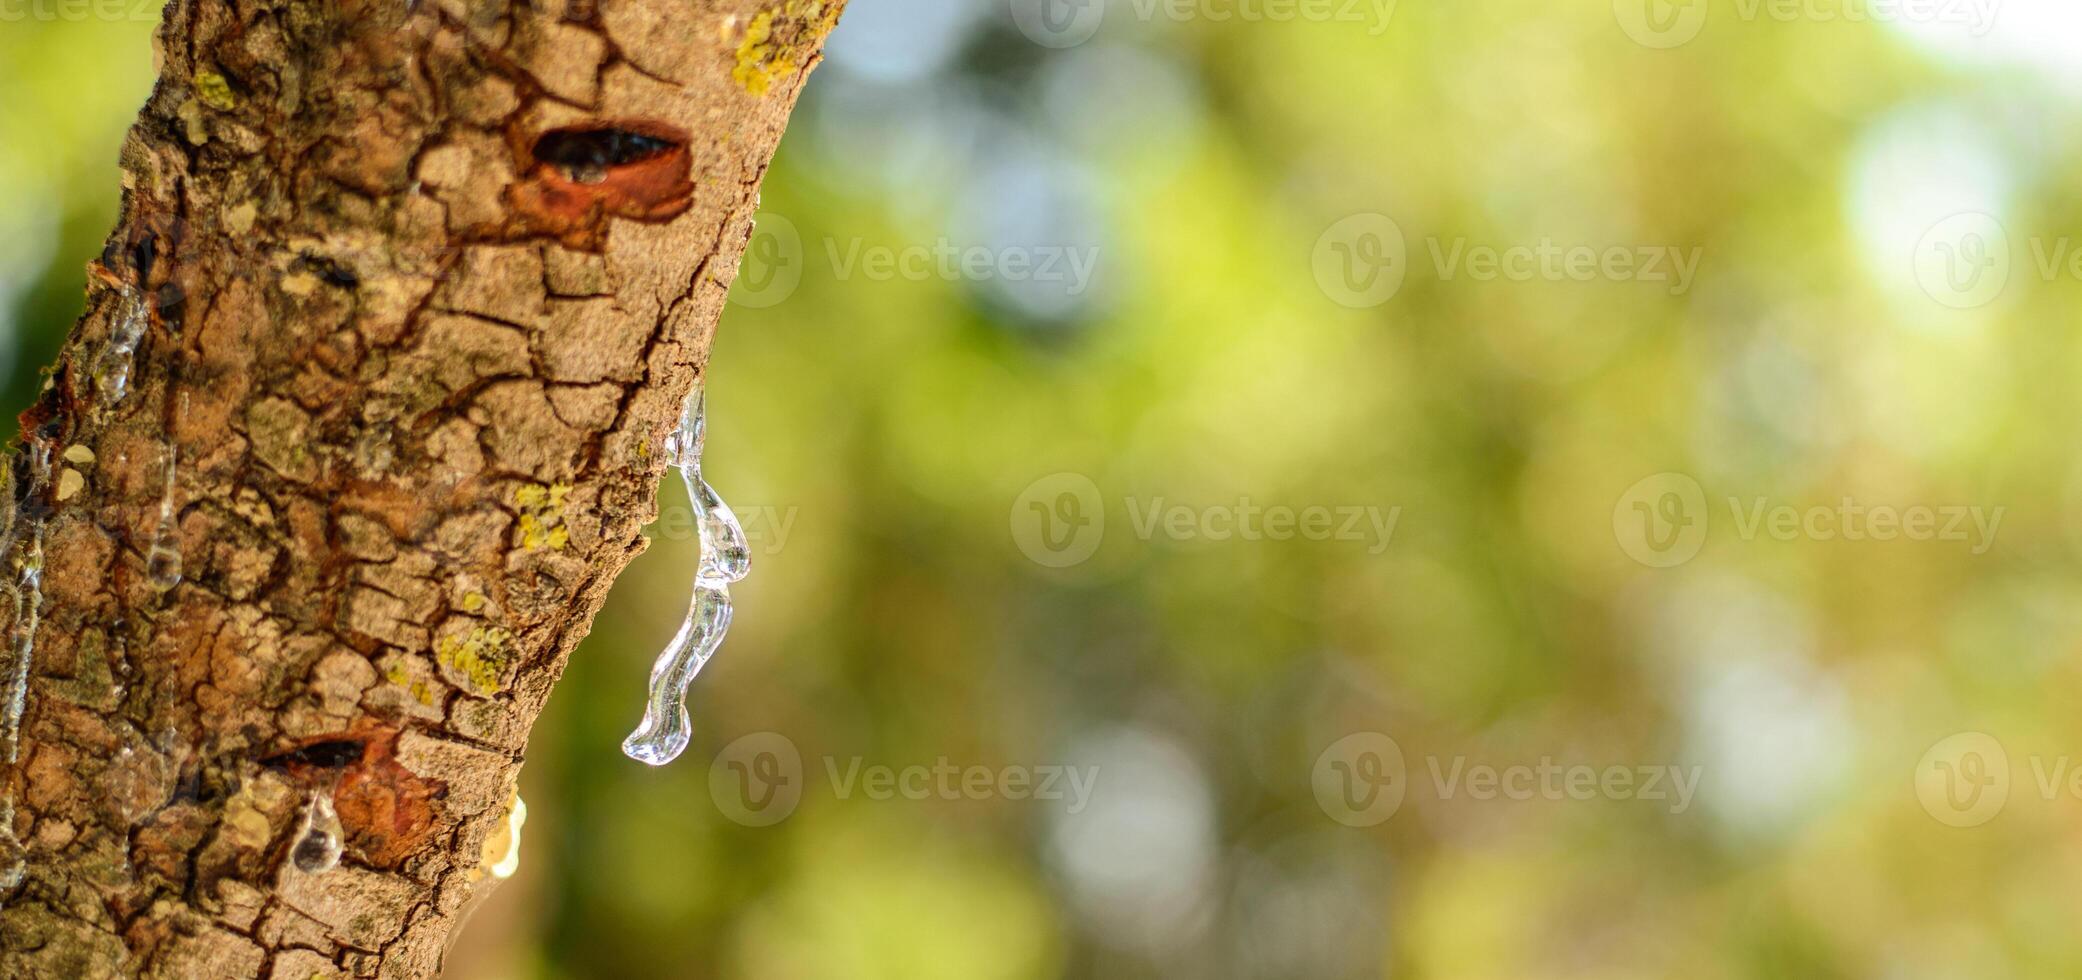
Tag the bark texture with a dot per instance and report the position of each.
(379, 360)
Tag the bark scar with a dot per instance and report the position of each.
(386, 809)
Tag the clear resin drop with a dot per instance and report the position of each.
(163, 556)
(725, 558)
(111, 369)
(319, 840)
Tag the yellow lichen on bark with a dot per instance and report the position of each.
(781, 41)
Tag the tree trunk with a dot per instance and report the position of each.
(364, 418)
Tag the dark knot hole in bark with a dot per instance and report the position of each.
(330, 754)
(588, 156)
(634, 168)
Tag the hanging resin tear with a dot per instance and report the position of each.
(725, 558)
(25, 597)
(320, 839)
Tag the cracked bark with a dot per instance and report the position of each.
(421, 286)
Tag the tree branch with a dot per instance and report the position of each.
(362, 422)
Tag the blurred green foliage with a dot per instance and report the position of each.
(879, 431)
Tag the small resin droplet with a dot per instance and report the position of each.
(163, 566)
(39, 466)
(318, 840)
(112, 366)
(163, 558)
(725, 558)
